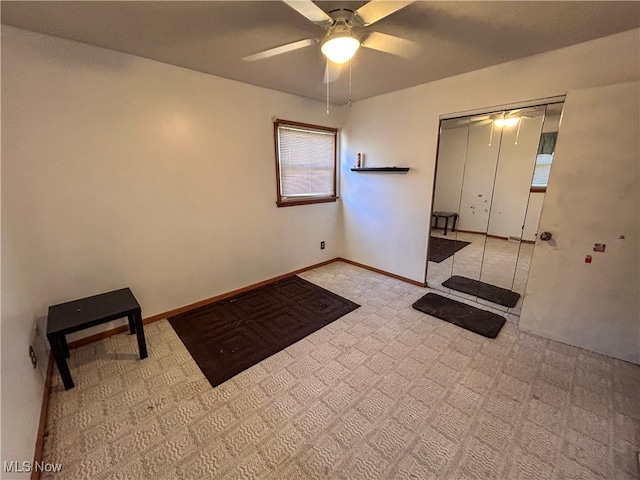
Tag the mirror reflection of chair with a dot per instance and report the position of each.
(446, 216)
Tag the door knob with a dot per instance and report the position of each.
(546, 236)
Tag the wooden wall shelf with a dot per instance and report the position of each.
(381, 169)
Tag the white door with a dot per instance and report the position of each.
(592, 198)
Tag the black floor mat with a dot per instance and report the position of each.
(231, 335)
(478, 321)
(442, 248)
(501, 296)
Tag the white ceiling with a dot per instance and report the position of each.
(212, 37)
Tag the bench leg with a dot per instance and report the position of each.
(142, 344)
(446, 224)
(65, 347)
(132, 324)
(58, 351)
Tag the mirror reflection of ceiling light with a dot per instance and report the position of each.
(340, 47)
(506, 122)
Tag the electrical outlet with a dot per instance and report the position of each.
(40, 347)
(32, 355)
(322, 245)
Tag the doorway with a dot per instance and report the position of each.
(491, 175)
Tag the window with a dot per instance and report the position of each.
(546, 148)
(305, 163)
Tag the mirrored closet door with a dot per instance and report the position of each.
(490, 181)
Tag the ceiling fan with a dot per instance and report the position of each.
(346, 31)
(510, 118)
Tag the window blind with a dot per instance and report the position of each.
(542, 170)
(306, 162)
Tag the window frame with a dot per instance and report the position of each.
(304, 199)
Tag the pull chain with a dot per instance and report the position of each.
(349, 83)
(326, 79)
(491, 134)
(518, 132)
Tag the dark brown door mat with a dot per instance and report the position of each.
(233, 334)
(478, 321)
(501, 296)
(442, 248)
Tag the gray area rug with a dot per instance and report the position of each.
(486, 291)
(231, 335)
(442, 248)
(476, 320)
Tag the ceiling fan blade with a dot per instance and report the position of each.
(376, 10)
(289, 47)
(310, 11)
(391, 44)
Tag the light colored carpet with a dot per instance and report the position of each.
(385, 392)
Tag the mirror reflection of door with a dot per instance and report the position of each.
(537, 190)
(490, 181)
(521, 131)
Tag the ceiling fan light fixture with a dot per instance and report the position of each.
(506, 122)
(341, 47)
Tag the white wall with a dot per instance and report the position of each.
(386, 217)
(452, 152)
(117, 170)
(479, 174)
(593, 197)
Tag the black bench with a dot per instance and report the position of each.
(446, 215)
(76, 315)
